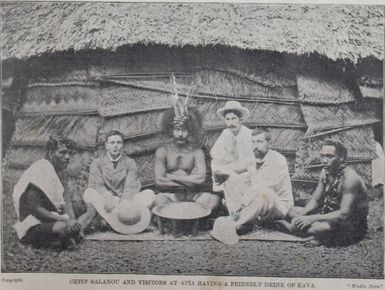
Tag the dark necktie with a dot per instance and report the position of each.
(258, 164)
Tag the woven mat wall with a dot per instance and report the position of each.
(36, 131)
(61, 99)
(277, 98)
(324, 90)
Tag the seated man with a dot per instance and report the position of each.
(232, 152)
(337, 211)
(43, 206)
(113, 177)
(180, 167)
(267, 197)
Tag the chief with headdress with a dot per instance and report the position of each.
(180, 166)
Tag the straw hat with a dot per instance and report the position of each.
(129, 217)
(236, 106)
(224, 231)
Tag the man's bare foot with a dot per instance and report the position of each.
(220, 177)
(286, 227)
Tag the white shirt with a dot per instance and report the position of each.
(236, 149)
(273, 173)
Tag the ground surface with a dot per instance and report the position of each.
(247, 258)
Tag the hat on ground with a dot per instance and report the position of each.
(129, 217)
(224, 231)
(235, 106)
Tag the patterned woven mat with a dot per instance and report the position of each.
(259, 233)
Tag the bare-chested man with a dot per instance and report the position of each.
(180, 167)
(337, 211)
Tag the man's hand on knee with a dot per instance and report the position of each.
(72, 227)
(302, 222)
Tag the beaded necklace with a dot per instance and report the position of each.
(331, 196)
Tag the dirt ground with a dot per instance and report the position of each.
(247, 258)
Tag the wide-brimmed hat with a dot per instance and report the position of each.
(224, 231)
(236, 106)
(129, 217)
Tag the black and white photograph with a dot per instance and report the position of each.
(193, 139)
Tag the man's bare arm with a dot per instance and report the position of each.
(37, 210)
(160, 170)
(350, 190)
(314, 202)
(69, 209)
(193, 179)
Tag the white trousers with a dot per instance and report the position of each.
(260, 202)
(92, 196)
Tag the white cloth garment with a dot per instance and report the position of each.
(43, 175)
(232, 151)
(97, 199)
(268, 195)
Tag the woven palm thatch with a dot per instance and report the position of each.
(321, 118)
(69, 100)
(267, 114)
(11, 175)
(282, 140)
(145, 165)
(132, 125)
(322, 90)
(237, 85)
(145, 144)
(272, 79)
(36, 131)
(358, 141)
(140, 93)
(124, 100)
(23, 157)
(360, 146)
(338, 32)
(364, 169)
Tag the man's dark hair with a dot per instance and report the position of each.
(340, 149)
(262, 130)
(112, 133)
(235, 112)
(193, 125)
(56, 141)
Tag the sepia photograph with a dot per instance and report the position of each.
(193, 139)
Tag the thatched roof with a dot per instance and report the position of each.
(338, 32)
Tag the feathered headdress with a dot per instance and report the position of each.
(181, 115)
(180, 107)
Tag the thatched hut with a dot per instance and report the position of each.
(305, 72)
